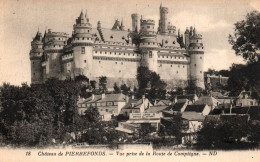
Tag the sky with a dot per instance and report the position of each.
(20, 20)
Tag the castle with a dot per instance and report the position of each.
(117, 53)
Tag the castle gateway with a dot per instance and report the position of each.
(117, 53)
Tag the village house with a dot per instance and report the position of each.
(247, 98)
(203, 109)
(110, 103)
(207, 100)
(191, 98)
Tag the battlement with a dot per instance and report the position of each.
(58, 34)
(115, 43)
(164, 9)
(196, 36)
(148, 21)
(171, 27)
(134, 15)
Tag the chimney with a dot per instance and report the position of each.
(143, 98)
(92, 97)
(126, 98)
(103, 95)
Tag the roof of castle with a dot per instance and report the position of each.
(168, 38)
(114, 35)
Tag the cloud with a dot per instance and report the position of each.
(220, 59)
(203, 22)
(255, 4)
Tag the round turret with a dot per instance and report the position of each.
(135, 22)
(82, 47)
(196, 52)
(148, 45)
(35, 57)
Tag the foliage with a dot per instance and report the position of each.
(225, 134)
(149, 82)
(125, 89)
(116, 89)
(145, 129)
(246, 40)
(93, 84)
(244, 77)
(92, 114)
(193, 89)
(173, 128)
(102, 84)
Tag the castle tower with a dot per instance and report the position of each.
(196, 52)
(53, 50)
(148, 45)
(35, 57)
(82, 45)
(163, 22)
(187, 38)
(135, 22)
(122, 26)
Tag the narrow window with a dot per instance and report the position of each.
(195, 65)
(85, 61)
(82, 50)
(150, 54)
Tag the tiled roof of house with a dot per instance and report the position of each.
(210, 101)
(195, 108)
(177, 106)
(156, 109)
(163, 102)
(131, 101)
(253, 111)
(108, 97)
(192, 116)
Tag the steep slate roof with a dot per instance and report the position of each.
(177, 106)
(253, 111)
(210, 101)
(192, 116)
(165, 102)
(169, 39)
(156, 109)
(131, 101)
(195, 108)
(216, 94)
(116, 34)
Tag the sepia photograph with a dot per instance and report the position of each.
(131, 80)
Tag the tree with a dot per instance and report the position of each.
(246, 40)
(92, 114)
(226, 133)
(150, 82)
(143, 78)
(93, 84)
(145, 129)
(174, 127)
(102, 84)
(116, 88)
(125, 89)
